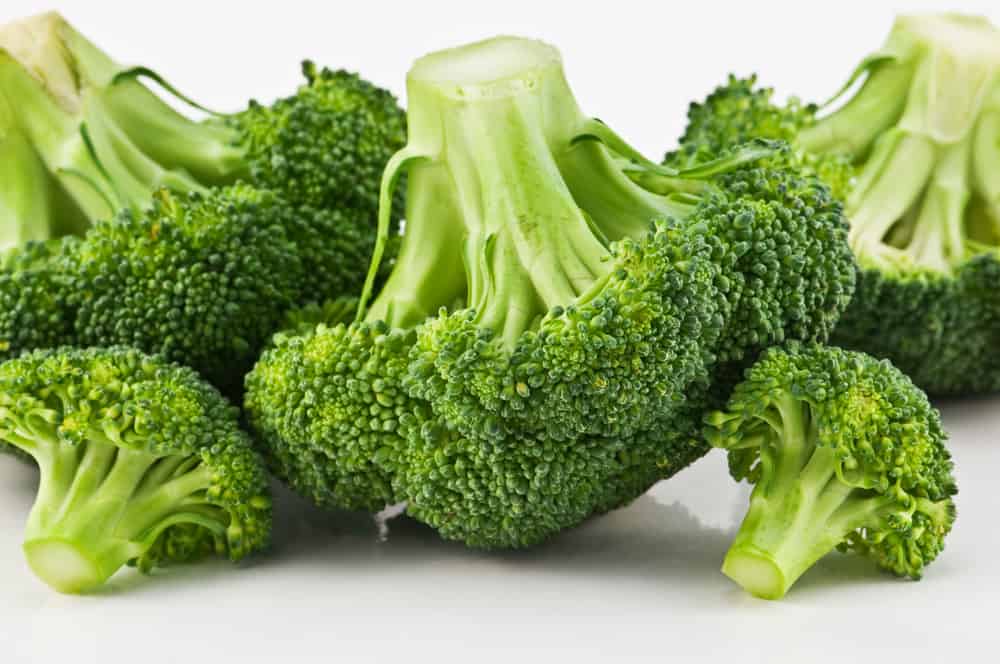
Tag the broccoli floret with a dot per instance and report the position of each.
(325, 146)
(35, 309)
(203, 279)
(327, 402)
(844, 452)
(85, 139)
(914, 154)
(141, 463)
(555, 300)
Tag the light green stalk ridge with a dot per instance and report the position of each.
(508, 97)
(923, 128)
(105, 138)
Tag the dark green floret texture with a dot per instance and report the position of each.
(34, 298)
(327, 145)
(141, 463)
(185, 256)
(913, 152)
(557, 317)
(844, 452)
(203, 279)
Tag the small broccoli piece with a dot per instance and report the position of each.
(203, 279)
(141, 463)
(845, 452)
(556, 299)
(914, 154)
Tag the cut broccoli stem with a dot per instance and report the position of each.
(60, 84)
(100, 505)
(805, 504)
(537, 217)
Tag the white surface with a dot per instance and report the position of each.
(641, 584)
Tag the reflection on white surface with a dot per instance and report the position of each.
(641, 581)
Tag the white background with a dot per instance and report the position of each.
(641, 584)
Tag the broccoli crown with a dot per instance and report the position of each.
(327, 406)
(325, 146)
(912, 154)
(140, 463)
(556, 299)
(844, 451)
(34, 298)
(784, 243)
(592, 297)
(202, 279)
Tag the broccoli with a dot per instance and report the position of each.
(844, 452)
(915, 155)
(35, 310)
(555, 299)
(141, 463)
(203, 279)
(86, 139)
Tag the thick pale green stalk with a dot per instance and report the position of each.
(100, 505)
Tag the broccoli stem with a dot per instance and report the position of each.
(101, 505)
(210, 151)
(853, 128)
(938, 240)
(801, 508)
(986, 165)
(428, 272)
(535, 208)
(26, 193)
(888, 187)
(109, 143)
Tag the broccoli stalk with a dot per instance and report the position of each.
(844, 452)
(103, 136)
(140, 463)
(94, 139)
(923, 127)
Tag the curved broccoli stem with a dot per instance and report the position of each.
(134, 142)
(844, 452)
(140, 463)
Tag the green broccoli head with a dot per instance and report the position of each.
(202, 279)
(912, 154)
(140, 463)
(325, 146)
(327, 405)
(844, 451)
(594, 291)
